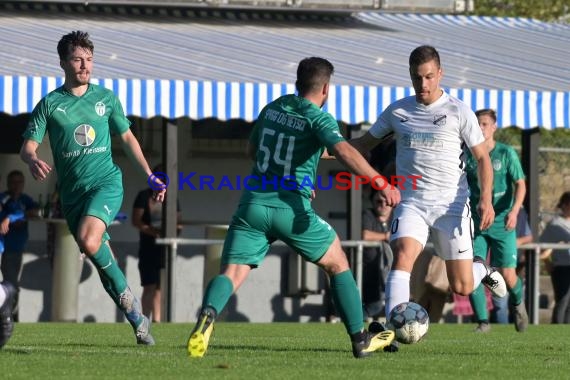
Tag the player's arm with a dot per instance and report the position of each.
(365, 143)
(133, 150)
(38, 168)
(485, 175)
(520, 192)
(355, 162)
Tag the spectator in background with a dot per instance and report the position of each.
(376, 260)
(558, 231)
(429, 283)
(7, 290)
(15, 201)
(147, 218)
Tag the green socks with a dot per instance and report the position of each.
(479, 304)
(218, 293)
(347, 300)
(516, 293)
(112, 276)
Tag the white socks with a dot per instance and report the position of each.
(397, 289)
(479, 272)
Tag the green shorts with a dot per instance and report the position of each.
(501, 243)
(103, 202)
(254, 227)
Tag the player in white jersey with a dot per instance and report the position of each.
(432, 129)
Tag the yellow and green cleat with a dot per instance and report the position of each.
(200, 335)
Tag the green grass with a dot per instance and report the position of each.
(280, 351)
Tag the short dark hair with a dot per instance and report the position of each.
(73, 40)
(423, 54)
(564, 199)
(312, 74)
(487, 111)
(14, 173)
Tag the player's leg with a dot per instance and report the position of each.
(409, 233)
(316, 241)
(7, 299)
(504, 244)
(348, 303)
(89, 226)
(478, 297)
(452, 236)
(245, 246)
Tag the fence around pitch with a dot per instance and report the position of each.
(532, 252)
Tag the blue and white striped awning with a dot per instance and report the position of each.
(174, 99)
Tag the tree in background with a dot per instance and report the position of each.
(547, 10)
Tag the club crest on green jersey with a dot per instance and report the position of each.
(100, 108)
(497, 165)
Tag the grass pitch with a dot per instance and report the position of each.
(281, 351)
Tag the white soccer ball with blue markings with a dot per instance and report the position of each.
(409, 321)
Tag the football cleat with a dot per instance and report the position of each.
(482, 327)
(142, 333)
(376, 327)
(200, 335)
(372, 342)
(493, 280)
(521, 317)
(6, 310)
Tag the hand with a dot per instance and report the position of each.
(39, 169)
(5, 226)
(511, 220)
(389, 193)
(158, 195)
(313, 194)
(486, 213)
(158, 188)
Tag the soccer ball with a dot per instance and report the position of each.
(409, 321)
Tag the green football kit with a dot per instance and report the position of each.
(289, 137)
(507, 170)
(502, 243)
(89, 182)
(80, 130)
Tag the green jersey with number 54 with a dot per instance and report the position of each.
(290, 136)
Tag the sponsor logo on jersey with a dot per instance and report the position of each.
(62, 110)
(84, 135)
(100, 108)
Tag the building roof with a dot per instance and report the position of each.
(237, 61)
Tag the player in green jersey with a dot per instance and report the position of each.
(508, 195)
(79, 118)
(287, 141)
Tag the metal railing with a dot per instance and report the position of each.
(532, 253)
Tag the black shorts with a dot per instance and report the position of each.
(151, 261)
